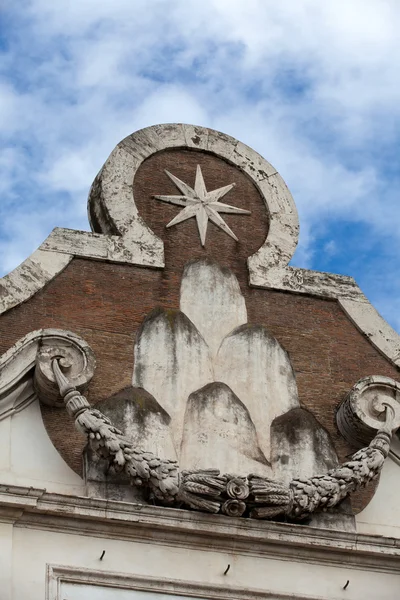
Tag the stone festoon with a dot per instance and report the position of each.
(226, 381)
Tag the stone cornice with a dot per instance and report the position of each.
(345, 291)
(35, 508)
(58, 574)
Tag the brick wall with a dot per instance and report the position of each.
(105, 304)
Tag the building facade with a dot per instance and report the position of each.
(182, 413)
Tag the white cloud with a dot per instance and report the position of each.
(313, 86)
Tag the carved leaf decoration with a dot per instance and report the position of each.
(171, 361)
(259, 372)
(211, 298)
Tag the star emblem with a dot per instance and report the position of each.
(203, 205)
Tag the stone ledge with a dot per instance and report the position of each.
(58, 574)
(122, 520)
(304, 281)
(345, 291)
(112, 248)
(57, 251)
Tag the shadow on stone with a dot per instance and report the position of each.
(138, 414)
(219, 433)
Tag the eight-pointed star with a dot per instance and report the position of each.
(201, 204)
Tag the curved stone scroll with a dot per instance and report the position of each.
(38, 348)
(363, 411)
(74, 355)
(210, 491)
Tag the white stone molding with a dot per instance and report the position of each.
(30, 277)
(17, 399)
(345, 291)
(370, 323)
(59, 575)
(36, 349)
(363, 411)
(35, 508)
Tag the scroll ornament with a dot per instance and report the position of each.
(210, 491)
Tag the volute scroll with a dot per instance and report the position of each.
(36, 349)
(75, 357)
(363, 412)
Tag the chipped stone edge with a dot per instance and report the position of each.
(34, 507)
(22, 357)
(57, 251)
(345, 291)
(30, 277)
(112, 209)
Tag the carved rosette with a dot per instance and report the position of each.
(238, 490)
(363, 412)
(233, 508)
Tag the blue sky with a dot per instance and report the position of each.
(313, 86)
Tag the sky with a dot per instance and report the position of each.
(313, 86)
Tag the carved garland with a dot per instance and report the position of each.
(210, 491)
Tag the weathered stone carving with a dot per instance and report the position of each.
(223, 382)
(37, 348)
(111, 443)
(362, 412)
(300, 447)
(73, 354)
(112, 208)
(330, 489)
(218, 430)
(203, 205)
(211, 297)
(208, 490)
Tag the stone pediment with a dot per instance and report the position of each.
(212, 352)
